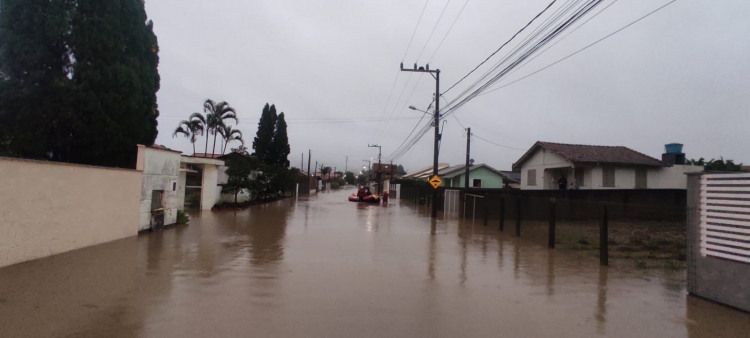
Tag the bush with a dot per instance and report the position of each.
(335, 185)
(182, 217)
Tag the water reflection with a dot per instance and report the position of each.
(601, 300)
(317, 268)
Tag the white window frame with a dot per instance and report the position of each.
(604, 177)
(531, 177)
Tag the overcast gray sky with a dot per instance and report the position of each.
(680, 75)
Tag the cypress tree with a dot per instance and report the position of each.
(263, 141)
(281, 143)
(33, 78)
(116, 79)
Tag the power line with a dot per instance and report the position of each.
(448, 32)
(390, 94)
(515, 61)
(415, 30)
(584, 48)
(497, 144)
(501, 47)
(433, 29)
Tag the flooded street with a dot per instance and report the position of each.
(325, 267)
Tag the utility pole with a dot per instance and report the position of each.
(316, 176)
(369, 170)
(468, 155)
(380, 188)
(334, 173)
(302, 161)
(426, 69)
(346, 166)
(309, 178)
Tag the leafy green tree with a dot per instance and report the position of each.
(115, 80)
(239, 169)
(324, 170)
(280, 144)
(400, 170)
(717, 165)
(35, 116)
(349, 177)
(216, 116)
(230, 134)
(263, 142)
(191, 128)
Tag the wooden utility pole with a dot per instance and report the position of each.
(468, 156)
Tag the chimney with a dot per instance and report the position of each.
(673, 154)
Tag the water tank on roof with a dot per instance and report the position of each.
(673, 148)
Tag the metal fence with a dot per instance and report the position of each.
(625, 233)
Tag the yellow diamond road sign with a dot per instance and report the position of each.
(435, 181)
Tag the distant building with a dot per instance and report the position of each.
(425, 173)
(480, 176)
(546, 165)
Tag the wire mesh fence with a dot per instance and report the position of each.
(645, 232)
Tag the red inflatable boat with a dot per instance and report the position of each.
(366, 199)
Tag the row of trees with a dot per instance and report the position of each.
(214, 122)
(78, 80)
(269, 163)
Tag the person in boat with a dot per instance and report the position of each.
(367, 192)
(361, 194)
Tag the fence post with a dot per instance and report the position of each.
(462, 203)
(604, 238)
(551, 243)
(486, 204)
(518, 217)
(502, 213)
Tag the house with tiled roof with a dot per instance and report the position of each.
(480, 176)
(550, 166)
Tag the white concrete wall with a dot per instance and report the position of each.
(160, 169)
(47, 208)
(673, 177)
(657, 178)
(541, 160)
(181, 191)
(210, 191)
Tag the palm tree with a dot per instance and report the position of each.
(230, 134)
(216, 114)
(191, 128)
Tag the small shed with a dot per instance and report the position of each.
(160, 167)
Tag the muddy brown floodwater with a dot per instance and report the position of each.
(325, 267)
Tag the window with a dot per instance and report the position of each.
(641, 179)
(156, 199)
(476, 183)
(608, 177)
(174, 186)
(531, 177)
(579, 177)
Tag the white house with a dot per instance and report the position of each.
(546, 165)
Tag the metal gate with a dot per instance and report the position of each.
(725, 216)
(451, 202)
